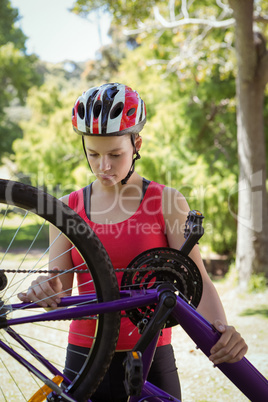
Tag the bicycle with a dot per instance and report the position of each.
(161, 287)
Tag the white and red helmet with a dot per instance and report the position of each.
(109, 110)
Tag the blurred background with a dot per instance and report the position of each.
(182, 59)
(202, 69)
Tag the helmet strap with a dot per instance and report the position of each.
(132, 168)
(84, 148)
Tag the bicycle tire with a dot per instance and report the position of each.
(41, 204)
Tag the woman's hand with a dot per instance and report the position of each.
(230, 348)
(45, 291)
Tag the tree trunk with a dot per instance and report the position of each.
(252, 76)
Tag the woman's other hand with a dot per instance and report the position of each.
(230, 348)
(44, 290)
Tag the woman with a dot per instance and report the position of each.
(130, 215)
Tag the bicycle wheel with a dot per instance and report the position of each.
(26, 214)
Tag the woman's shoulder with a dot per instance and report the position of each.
(72, 196)
(173, 201)
(171, 191)
(171, 197)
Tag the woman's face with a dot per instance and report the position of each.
(110, 158)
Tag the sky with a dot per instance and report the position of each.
(55, 34)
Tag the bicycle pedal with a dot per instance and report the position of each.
(133, 373)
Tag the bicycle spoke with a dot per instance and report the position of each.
(14, 237)
(19, 347)
(25, 253)
(13, 379)
(2, 392)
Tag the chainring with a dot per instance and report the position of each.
(158, 265)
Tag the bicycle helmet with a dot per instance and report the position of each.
(109, 110)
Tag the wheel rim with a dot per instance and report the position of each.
(51, 338)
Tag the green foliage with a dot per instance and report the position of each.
(186, 77)
(17, 74)
(123, 11)
(9, 132)
(257, 283)
(49, 151)
(25, 235)
(8, 31)
(189, 142)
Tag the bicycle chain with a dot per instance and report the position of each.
(23, 271)
(42, 271)
(82, 271)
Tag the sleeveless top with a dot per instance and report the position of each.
(123, 241)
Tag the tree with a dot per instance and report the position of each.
(189, 137)
(17, 74)
(50, 153)
(252, 77)
(195, 27)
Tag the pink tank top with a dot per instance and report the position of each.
(123, 241)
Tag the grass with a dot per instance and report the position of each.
(28, 231)
(261, 311)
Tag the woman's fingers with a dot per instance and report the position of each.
(23, 297)
(31, 296)
(45, 291)
(230, 348)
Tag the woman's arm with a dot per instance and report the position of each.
(47, 290)
(231, 347)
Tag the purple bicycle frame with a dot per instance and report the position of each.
(243, 374)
